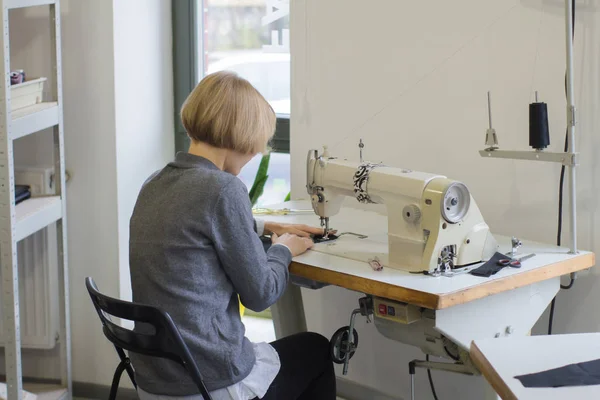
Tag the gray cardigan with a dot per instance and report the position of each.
(193, 249)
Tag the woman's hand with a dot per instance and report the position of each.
(296, 244)
(295, 229)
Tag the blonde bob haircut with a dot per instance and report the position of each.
(227, 112)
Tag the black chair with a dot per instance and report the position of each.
(166, 342)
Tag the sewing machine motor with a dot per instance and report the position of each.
(398, 321)
(434, 224)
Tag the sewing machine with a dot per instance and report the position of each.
(434, 224)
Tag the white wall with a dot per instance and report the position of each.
(410, 78)
(144, 105)
(118, 116)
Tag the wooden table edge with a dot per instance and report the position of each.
(365, 285)
(490, 373)
(441, 301)
(485, 289)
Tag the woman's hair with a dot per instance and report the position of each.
(226, 111)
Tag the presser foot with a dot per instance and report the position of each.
(344, 342)
(331, 236)
(445, 262)
(453, 272)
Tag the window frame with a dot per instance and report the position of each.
(186, 48)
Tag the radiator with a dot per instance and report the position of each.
(37, 257)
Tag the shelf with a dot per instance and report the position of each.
(11, 4)
(28, 120)
(41, 391)
(36, 213)
(20, 222)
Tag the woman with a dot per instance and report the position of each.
(195, 247)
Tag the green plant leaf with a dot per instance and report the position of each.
(264, 165)
(288, 197)
(260, 180)
(257, 190)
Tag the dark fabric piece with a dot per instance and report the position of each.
(491, 267)
(22, 193)
(306, 369)
(321, 238)
(581, 374)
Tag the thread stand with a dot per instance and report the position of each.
(569, 158)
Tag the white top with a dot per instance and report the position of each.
(513, 356)
(349, 254)
(254, 385)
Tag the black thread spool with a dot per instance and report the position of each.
(539, 133)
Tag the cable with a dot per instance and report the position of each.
(569, 286)
(551, 318)
(431, 380)
(560, 193)
(560, 202)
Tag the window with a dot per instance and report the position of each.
(251, 38)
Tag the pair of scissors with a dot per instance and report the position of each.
(513, 262)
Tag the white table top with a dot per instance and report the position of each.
(348, 255)
(500, 360)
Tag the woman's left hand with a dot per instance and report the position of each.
(294, 229)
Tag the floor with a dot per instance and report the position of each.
(259, 329)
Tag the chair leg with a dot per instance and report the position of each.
(130, 373)
(203, 390)
(117, 378)
(126, 360)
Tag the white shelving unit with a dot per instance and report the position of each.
(28, 120)
(19, 221)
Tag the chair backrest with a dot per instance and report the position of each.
(165, 342)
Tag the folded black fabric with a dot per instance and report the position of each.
(490, 267)
(22, 193)
(581, 374)
(20, 189)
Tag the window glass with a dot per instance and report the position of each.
(251, 38)
(278, 183)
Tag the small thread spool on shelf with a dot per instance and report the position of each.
(539, 132)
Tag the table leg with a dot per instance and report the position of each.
(288, 313)
(490, 393)
(503, 314)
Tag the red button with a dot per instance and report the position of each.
(382, 309)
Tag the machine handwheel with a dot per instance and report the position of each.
(339, 345)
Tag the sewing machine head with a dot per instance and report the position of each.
(434, 224)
